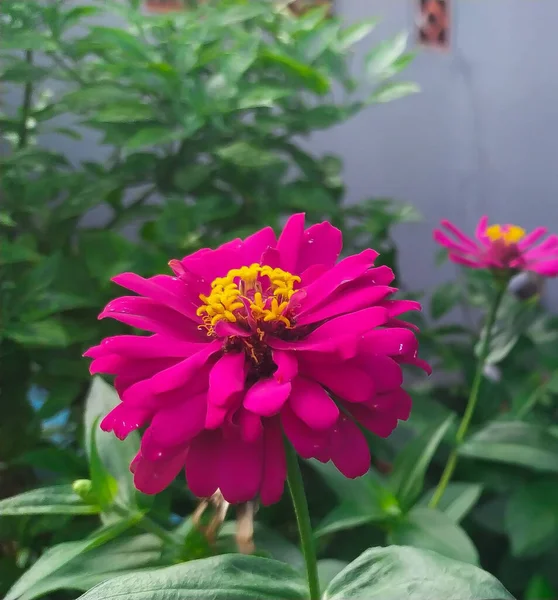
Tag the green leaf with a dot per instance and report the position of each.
(380, 59)
(458, 499)
(126, 112)
(114, 454)
(262, 95)
(105, 253)
(514, 442)
(57, 500)
(105, 486)
(16, 252)
(409, 469)
(49, 333)
(6, 220)
(539, 588)
(78, 565)
(532, 518)
(152, 136)
(398, 573)
(225, 577)
(247, 155)
(433, 530)
(513, 319)
(444, 298)
(393, 90)
(346, 516)
(190, 176)
(353, 34)
(328, 569)
(311, 78)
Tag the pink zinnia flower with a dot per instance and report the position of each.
(259, 338)
(501, 247)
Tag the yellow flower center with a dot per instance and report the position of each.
(262, 290)
(509, 234)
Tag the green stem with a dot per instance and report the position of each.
(296, 487)
(147, 524)
(472, 402)
(26, 105)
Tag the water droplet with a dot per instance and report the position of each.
(310, 241)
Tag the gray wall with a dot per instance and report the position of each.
(482, 137)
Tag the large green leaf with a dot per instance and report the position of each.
(433, 530)
(152, 136)
(61, 566)
(245, 154)
(58, 499)
(458, 499)
(516, 443)
(49, 333)
(354, 33)
(105, 253)
(532, 518)
(115, 455)
(398, 573)
(228, 577)
(81, 565)
(393, 90)
(409, 469)
(380, 60)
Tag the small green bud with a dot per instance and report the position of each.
(83, 487)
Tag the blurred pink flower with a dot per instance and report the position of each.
(258, 339)
(501, 247)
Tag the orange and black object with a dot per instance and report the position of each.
(434, 23)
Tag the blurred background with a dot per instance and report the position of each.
(134, 132)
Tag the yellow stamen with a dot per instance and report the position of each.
(223, 303)
(509, 234)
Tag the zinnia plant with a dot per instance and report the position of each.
(258, 340)
(505, 250)
(501, 247)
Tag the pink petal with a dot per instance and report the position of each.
(480, 232)
(349, 449)
(181, 373)
(345, 380)
(468, 242)
(275, 464)
(344, 301)
(266, 397)
(312, 404)
(202, 464)
(256, 244)
(216, 416)
(531, 238)
(228, 329)
(123, 419)
(379, 423)
(162, 289)
(178, 423)
(250, 425)
(548, 268)
(385, 372)
(287, 365)
(321, 244)
(240, 469)
(475, 264)
(312, 273)
(227, 377)
(344, 271)
(308, 442)
(392, 341)
(209, 264)
(441, 238)
(144, 347)
(147, 314)
(154, 477)
(290, 241)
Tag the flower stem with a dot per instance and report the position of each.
(296, 487)
(472, 401)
